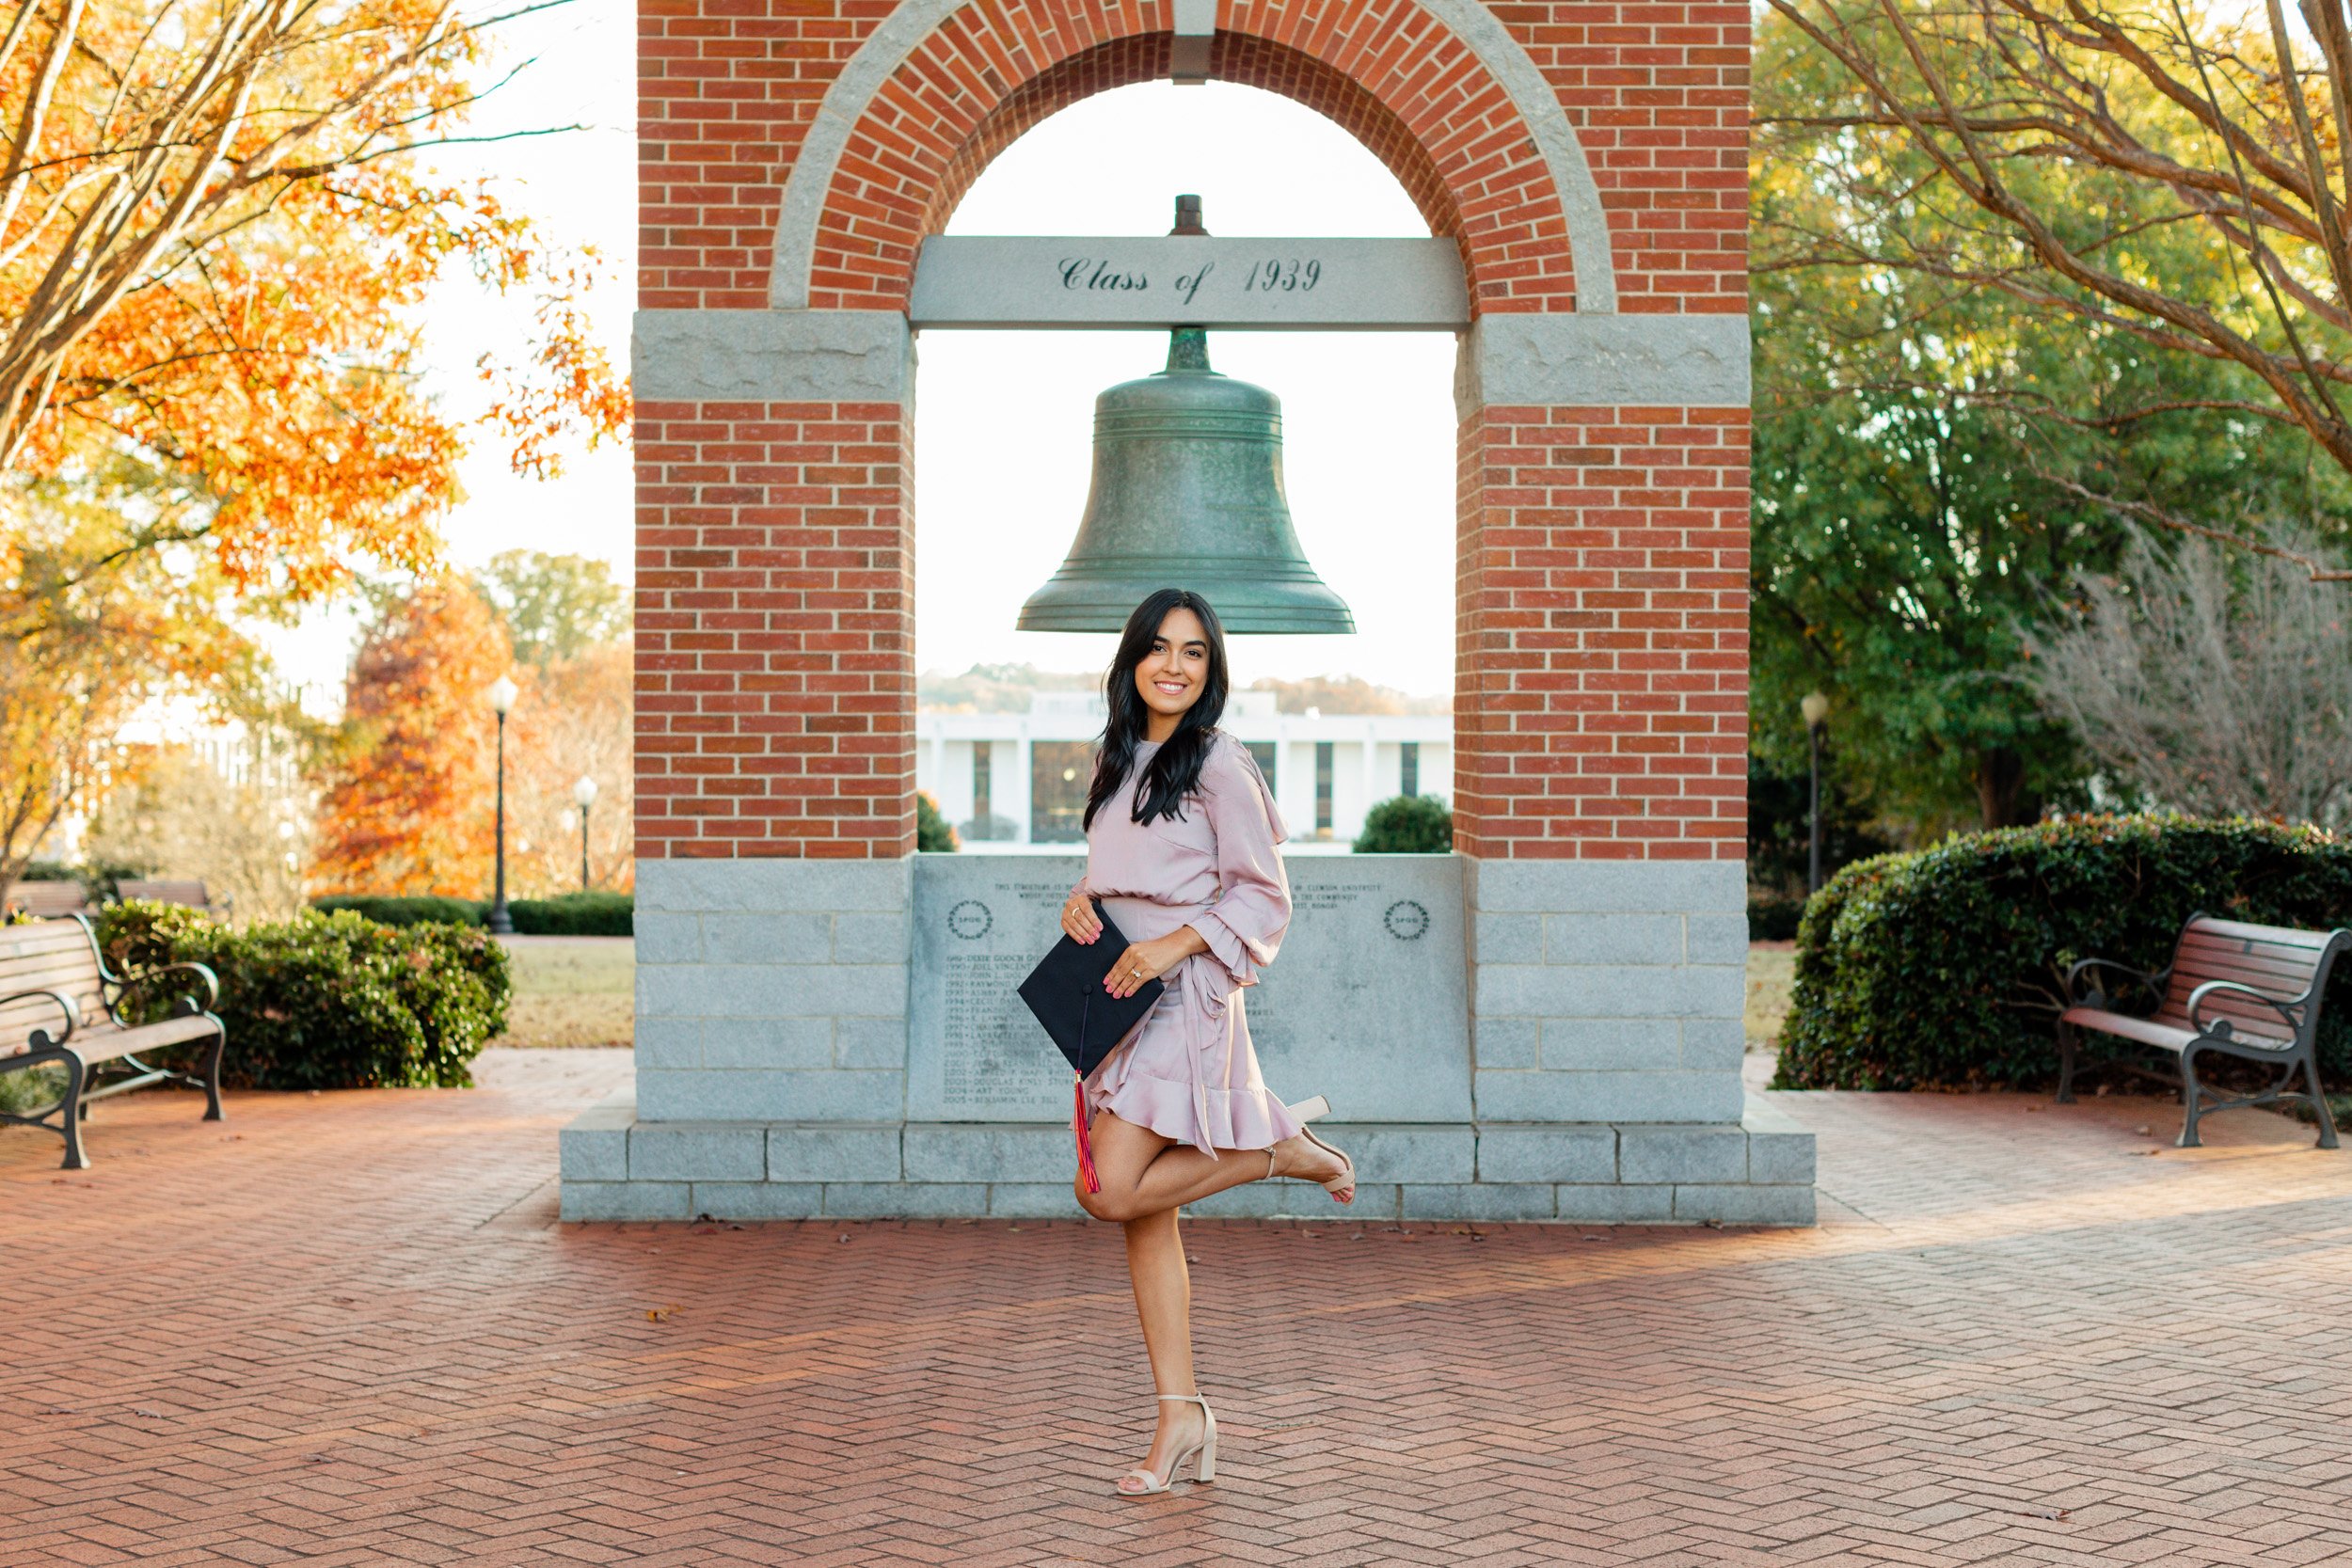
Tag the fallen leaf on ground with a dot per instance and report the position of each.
(658, 1314)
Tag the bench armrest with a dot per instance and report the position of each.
(202, 971)
(42, 1039)
(2096, 996)
(2220, 1026)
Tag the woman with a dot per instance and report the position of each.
(1180, 829)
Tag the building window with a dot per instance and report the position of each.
(1408, 768)
(981, 804)
(1060, 772)
(1323, 789)
(1265, 751)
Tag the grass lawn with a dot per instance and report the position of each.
(1770, 965)
(572, 990)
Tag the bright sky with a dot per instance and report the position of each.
(1003, 453)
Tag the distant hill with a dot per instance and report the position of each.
(1007, 688)
(995, 687)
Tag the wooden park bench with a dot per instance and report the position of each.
(2248, 991)
(165, 890)
(54, 984)
(46, 900)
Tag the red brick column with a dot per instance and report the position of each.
(776, 630)
(1601, 647)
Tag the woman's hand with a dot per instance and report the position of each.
(1149, 960)
(1079, 920)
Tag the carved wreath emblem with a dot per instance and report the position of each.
(1406, 920)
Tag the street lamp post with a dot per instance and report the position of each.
(503, 694)
(1816, 709)
(585, 793)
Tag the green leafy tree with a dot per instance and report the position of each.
(1935, 461)
(555, 606)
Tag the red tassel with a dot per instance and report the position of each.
(1085, 1147)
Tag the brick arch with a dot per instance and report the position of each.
(1242, 61)
(1435, 88)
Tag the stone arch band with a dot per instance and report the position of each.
(890, 45)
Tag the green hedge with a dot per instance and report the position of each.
(1773, 915)
(575, 914)
(405, 911)
(329, 1001)
(1944, 968)
(1406, 825)
(567, 914)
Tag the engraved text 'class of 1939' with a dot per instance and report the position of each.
(1265, 275)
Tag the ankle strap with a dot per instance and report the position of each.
(1195, 1398)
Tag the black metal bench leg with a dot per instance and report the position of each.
(2066, 1064)
(2319, 1100)
(2190, 1096)
(212, 1074)
(76, 1080)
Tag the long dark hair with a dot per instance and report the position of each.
(1174, 770)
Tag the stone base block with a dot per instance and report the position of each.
(1756, 1171)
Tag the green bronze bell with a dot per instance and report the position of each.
(1187, 493)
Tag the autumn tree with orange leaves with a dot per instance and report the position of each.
(410, 797)
(213, 240)
(409, 809)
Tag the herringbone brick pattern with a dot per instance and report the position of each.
(347, 1329)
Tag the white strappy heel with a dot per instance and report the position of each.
(1202, 1453)
(1306, 1111)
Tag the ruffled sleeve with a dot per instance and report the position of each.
(1253, 907)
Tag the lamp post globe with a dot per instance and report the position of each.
(585, 793)
(1814, 707)
(502, 694)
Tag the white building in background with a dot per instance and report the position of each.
(1009, 780)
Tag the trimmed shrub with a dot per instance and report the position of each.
(1945, 968)
(575, 914)
(1773, 914)
(1406, 825)
(327, 1000)
(407, 912)
(931, 831)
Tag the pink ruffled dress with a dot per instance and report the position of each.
(1188, 1071)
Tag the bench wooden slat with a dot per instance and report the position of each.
(47, 898)
(108, 1044)
(2283, 936)
(165, 890)
(2147, 1031)
(2269, 963)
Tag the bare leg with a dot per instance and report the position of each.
(1142, 1172)
(1155, 1262)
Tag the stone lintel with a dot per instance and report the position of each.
(772, 356)
(1559, 359)
(1104, 283)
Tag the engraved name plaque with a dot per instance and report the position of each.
(1366, 1002)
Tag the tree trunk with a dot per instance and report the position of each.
(2002, 799)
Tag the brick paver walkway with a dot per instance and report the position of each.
(347, 1329)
